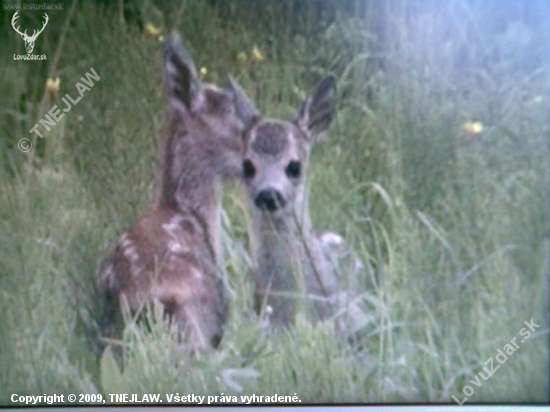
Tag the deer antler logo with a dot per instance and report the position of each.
(29, 40)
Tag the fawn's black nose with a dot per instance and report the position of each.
(269, 199)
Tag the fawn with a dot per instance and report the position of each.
(288, 256)
(174, 254)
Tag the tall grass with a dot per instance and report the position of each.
(450, 224)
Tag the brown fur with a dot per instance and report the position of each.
(174, 255)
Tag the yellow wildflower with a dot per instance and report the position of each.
(152, 30)
(52, 85)
(473, 128)
(203, 72)
(256, 55)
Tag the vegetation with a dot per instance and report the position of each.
(435, 170)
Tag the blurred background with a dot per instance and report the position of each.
(434, 170)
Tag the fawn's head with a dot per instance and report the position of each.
(204, 139)
(202, 113)
(276, 151)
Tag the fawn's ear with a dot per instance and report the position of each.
(183, 85)
(316, 113)
(246, 110)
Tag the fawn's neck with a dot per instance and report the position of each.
(280, 243)
(191, 185)
(289, 260)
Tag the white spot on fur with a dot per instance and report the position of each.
(124, 241)
(131, 254)
(175, 247)
(176, 220)
(196, 273)
(171, 228)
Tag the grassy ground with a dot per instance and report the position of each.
(448, 216)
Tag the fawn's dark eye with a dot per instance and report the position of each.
(248, 169)
(293, 169)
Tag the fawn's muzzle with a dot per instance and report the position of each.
(269, 199)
